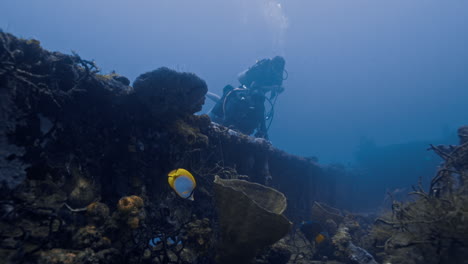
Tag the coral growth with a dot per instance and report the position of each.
(97, 212)
(431, 229)
(189, 134)
(130, 205)
(167, 92)
(199, 236)
(250, 219)
(130, 210)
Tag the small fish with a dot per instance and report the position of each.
(320, 238)
(313, 231)
(157, 240)
(182, 182)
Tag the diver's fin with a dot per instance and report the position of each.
(213, 97)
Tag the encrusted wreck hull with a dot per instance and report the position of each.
(74, 142)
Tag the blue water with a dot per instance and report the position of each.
(393, 73)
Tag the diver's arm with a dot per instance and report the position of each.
(216, 98)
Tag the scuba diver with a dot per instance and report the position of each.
(243, 108)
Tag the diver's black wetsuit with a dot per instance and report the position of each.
(266, 72)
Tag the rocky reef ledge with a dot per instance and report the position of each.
(84, 159)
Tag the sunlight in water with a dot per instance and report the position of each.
(274, 15)
(270, 13)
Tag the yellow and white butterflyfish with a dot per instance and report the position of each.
(182, 182)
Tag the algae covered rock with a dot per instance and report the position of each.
(170, 93)
(62, 256)
(250, 217)
(90, 237)
(199, 235)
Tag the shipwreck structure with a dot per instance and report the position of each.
(84, 159)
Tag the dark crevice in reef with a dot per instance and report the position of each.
(84, 160)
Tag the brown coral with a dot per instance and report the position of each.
(130, 210)
(137, 200)
(133, 222)
(97, 212)
(130, 204)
